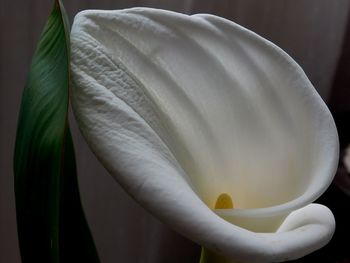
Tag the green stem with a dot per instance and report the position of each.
(209, 257)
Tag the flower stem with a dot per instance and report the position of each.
(209, 257)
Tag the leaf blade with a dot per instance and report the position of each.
(44, 162)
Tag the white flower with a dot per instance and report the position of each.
(182, 109)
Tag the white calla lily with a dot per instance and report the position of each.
(182, 109)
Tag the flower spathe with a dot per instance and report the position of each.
(181, 109)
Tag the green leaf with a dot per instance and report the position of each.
(50, 218)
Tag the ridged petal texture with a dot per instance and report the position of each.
(181, 109)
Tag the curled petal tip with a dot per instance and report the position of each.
(302, 232)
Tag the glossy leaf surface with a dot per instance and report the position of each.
(50, 218)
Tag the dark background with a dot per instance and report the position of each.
(316, 33)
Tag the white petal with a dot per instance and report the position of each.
(182, 108)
